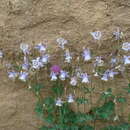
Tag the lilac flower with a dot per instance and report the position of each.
(73, 81)
(53, 76)
(1, 54)
(23, 76)
(68, 57)
(111, 74)
(63, 75)
(126, 46)
(70, 98)
(96, 35)
(126, 60)
(61, 41)
(113, 61)
(25, 66)
(105, 76)
(12, 75)
(86, 54)
(45, 59)
(85, 78)
(59, 102)
(25, 48)
(36, 63)
(56, 69)
(40, 47)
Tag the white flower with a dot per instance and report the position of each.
(116, 118)
(40, 47)
(118, 35)
(63, 75)
(12, 75)
(61, 41)
(1, 54)
(126, 60)
(53, 76)
(86, 55)
(70, 98)
(96, 35)
(59, 102)
(96, 74)
(126, 46)
(25, 48)
(113, 61)
(36, 63)
(85, 78)
(45, 59)
(99, 61)
(23, 76)
(73, 81)
(68, 57)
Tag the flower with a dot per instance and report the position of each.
(36, 63)
(126, 60)
(25, 48)
(86, 55)
(1, 54)
(126, 46)
(99, 61)
(96, 35)
(45, 59)
(56, 69)
(68, 57)
(111, 74)
(105, 76)
(12, 75)
(23, 76)
(59, 102)
(53, 76)
(85, 78)
(61, 41)
(118, 35)
(40, 47)
(70, 98)
(63, 75)
(73, 81)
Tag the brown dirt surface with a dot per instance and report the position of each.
(34, 21)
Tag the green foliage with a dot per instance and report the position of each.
(37, 88)
(39, 109)
(128, 88)
(105, 111)
(124, 126)
(81, 100)
(121, 99)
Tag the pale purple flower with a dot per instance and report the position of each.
(56, 69)
(41, 47)
(1, 54)
(53, 76)
(126, 46)
(25, 66)
(61, 42)
(68, 56)
(59, 102)
(111, 74)
(70, 98)
(45, 59)
(105, 76)
(25, 48)
(85, 78)
(63, 75)
(86, 54)
(126, 60)
(23, 76)
(96, 35)
(73, 81)
(12, 75)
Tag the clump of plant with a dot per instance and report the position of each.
(62, 89)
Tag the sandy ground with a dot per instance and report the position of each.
(34, 21)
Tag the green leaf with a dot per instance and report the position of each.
(82, 100)
(39, 109)
(50, 119)
(37, 88)
(105, 111)
(121, 99)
